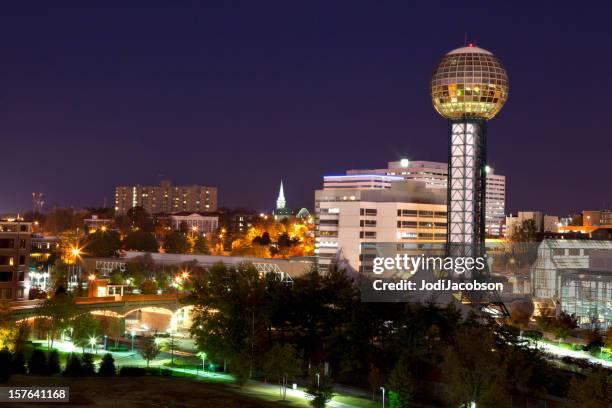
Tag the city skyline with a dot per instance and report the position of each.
(203, 95)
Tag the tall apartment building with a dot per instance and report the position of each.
(435, 175)
(15, 243)
(350, 211)
(166, 198)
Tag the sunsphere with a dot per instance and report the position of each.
(469, 82)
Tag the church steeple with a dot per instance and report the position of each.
(280, 201)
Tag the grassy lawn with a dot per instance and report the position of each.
(357, 401)
(150, 391)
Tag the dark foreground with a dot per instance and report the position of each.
(122, 392)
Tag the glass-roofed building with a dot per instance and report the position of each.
(577, 275)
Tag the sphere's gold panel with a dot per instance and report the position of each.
(469, 82)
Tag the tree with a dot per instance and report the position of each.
(74, 368)
(148, 287)
(526, 232)
(107, 366)
(320, 389)
(139, 219)
(229, 312)
(116, 278)
(375, 380)
(57, 313)
(53, 365)
(84, 327)
(240, 367)
(147, 348)
(473, 371)
(5, 365)
(401, 386)
(594, 391)
(87, 364)
(608, 341)
(176, 243)
(563, 325)
(18, 365)
(102, 244)
(140, 241)
(282, 364)
(201, 246)
(37, 365)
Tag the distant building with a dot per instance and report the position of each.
(435, 175)
(282, 212)
(202, 222)
(543, 222)
(97, 223)
(15, 244)
(165, 198)
(405, 213)
(595, 224)
(597, 218)
(577, 275)
(237, 220)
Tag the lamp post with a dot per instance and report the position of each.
(133, 333)
(318, 380)
(92, 343)
(383, 396)
(203, 355)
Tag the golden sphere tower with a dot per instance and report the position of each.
(468, 87)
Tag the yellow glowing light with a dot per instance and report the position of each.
(92, 277)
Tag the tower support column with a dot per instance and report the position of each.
(466, 187)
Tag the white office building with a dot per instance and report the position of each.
(435, 175)
(351, 211)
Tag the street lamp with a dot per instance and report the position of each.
(76, 252)
(203, 355)
(318, 379)
(383, 396)
(133, 333)
(92, 343)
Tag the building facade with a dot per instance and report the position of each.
(203, 222)
(165, 198)
(15, 244)
(346, 218)
(576, 275)
(435, 175)
(543, 222)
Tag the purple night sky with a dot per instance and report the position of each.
(241, 94)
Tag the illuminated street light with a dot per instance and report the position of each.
(75, 251)
(203, 355)
(185, 275)
(383, 396)
(91, 277)
(133, 333)
(92, 343)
